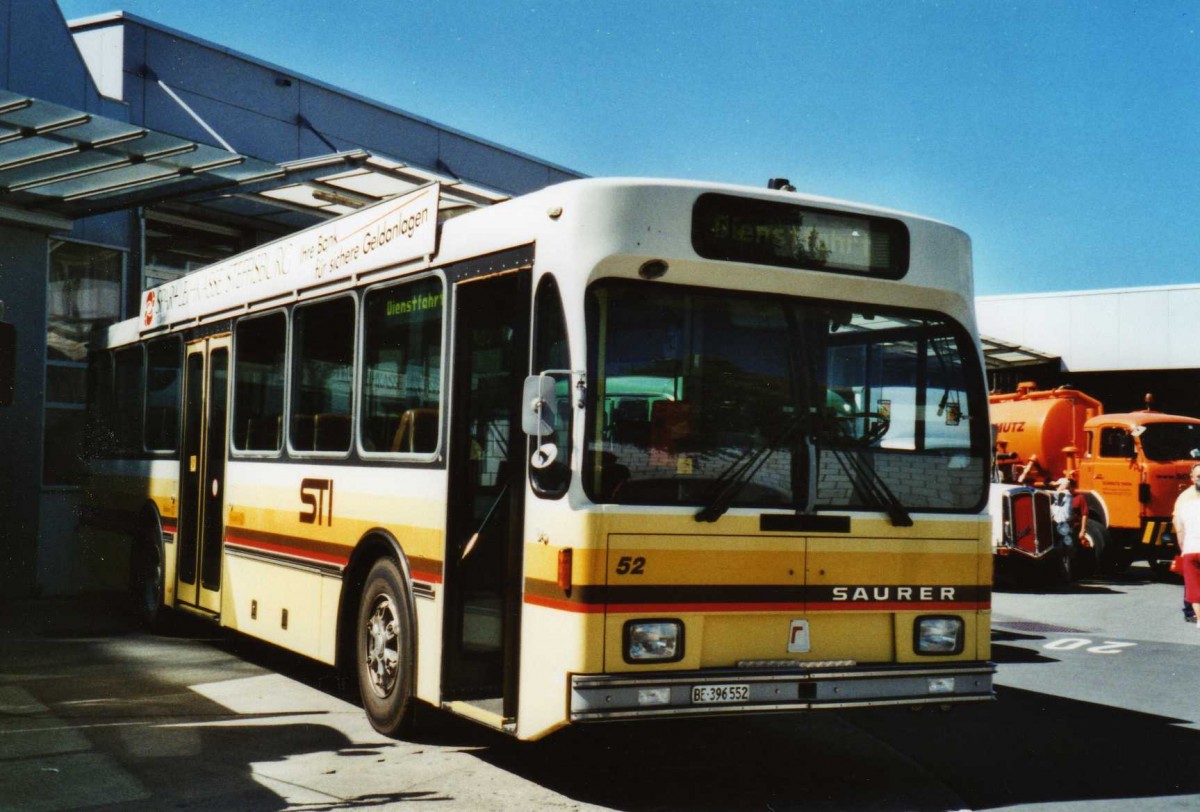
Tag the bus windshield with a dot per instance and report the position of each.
(806, 402)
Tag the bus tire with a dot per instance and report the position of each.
(384, 650)
(146, 576)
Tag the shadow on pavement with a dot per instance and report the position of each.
(89, 716)
(96, 714)
(1025, 748)
(1029, 747)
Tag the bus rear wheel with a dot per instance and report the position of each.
(146, 574)
(385, 651)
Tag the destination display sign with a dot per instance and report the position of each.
(381, 235)
(766, 232)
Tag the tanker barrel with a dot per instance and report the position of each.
(1042, 428)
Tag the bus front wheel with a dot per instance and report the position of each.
(385, 651)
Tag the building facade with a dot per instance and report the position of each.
(1118, 345)
(131, 153)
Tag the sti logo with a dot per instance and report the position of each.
(148, 313)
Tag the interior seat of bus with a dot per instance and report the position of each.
(263, 433)
(417, 432)
(327, 431)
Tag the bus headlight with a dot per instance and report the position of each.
(938, 634)
(657, 641)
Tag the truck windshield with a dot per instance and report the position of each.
(1164, 442)
(689, 384)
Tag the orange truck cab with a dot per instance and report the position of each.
(1134, 467)
(1129, 467)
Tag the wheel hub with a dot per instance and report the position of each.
(383, 647)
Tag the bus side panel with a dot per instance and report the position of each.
(555, 644)
(291, 529)
(290, 607)
(985, 577)
(562, 630)
(115, 500)
(164, 493)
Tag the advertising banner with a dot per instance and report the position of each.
(384, 234)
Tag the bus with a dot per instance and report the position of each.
(617, 449)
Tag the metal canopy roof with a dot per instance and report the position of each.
(999, 354)
(339, 183)
(58, 161)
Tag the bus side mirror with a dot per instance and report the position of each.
(538, 415)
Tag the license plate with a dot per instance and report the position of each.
(718, 694)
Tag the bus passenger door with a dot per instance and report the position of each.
(202, 474)
(486, 493)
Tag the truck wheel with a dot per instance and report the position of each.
(1064, 565)
(1102, 560)
(146, 574)
(385, 651)
(1160, 567)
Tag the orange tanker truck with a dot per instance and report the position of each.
(1129, 467)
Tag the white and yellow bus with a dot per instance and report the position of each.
(617, 449)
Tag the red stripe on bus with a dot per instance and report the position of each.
(565, 605)
(899, 606)
(295, 552)
(313, 555)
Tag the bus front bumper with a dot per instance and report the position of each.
(602, 697)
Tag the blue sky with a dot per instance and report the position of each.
(1064, 137)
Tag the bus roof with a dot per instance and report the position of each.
(400, 234)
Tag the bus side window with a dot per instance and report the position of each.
(260, 345)
(164, 371)
(551, 351)
(129, 391)
(417, 432)
(401, 378)
(323, 369)
(100, 436)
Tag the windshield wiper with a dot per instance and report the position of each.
(743, 469)
(869, 485)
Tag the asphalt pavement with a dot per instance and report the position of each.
(1096, 710)
(95, 713)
